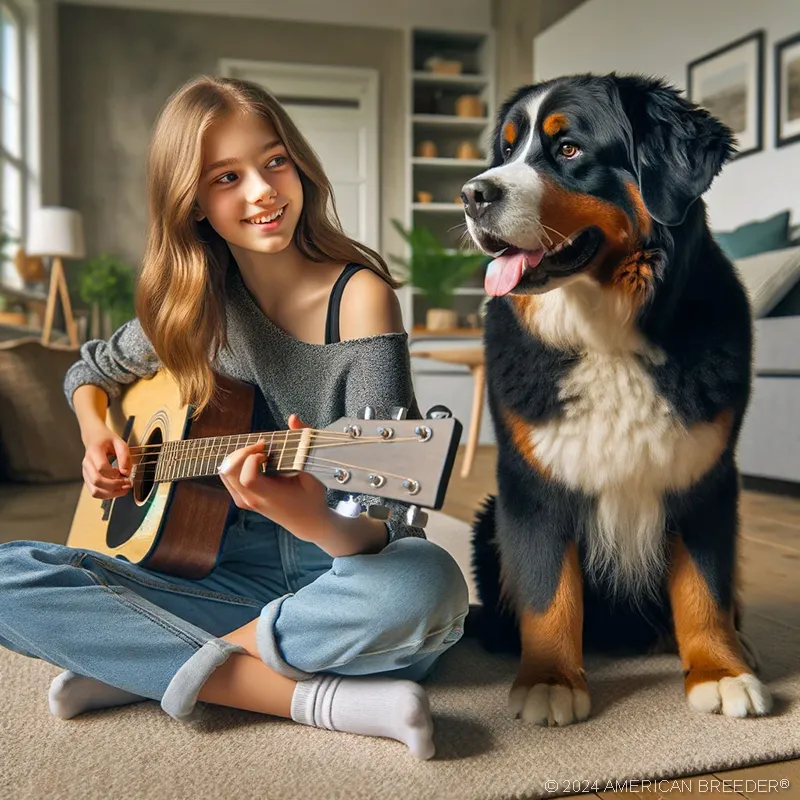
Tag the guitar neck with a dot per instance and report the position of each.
(197, 458)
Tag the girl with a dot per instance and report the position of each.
(244, 273)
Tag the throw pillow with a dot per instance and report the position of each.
(755, 237)
(39, 435)
(768, 277)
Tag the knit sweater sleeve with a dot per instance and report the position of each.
(123, 359)
(383, 380)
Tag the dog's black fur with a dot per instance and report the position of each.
(633, 130)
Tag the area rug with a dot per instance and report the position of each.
(641, 728)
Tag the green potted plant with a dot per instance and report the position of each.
(437, 272)
(106, 284)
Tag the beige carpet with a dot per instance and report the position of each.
(641, 728)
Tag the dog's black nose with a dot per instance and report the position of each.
(476, 196)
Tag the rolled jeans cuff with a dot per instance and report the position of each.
(180, 698)
(268, 646)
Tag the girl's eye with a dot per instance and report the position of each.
(226, 175)
(569, 150)
(278, 161)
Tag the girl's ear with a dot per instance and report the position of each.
(199, 216)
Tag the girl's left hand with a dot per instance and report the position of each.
(296, 503)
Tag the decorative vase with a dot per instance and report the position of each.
(467, 150)
(469, 105)
(427, 149)
(441, 319)
(443, 66)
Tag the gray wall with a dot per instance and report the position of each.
(118, 67)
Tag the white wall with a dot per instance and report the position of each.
(466, 15)
(661, 38)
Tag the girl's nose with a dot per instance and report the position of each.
(258, 189)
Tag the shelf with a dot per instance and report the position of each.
(449, 121)
(438, 208)
(458, 81)
(420, 331)
(431, 115)
(449, 163)
(462, 290)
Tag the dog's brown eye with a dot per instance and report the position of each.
(569, 150)
(507, 150)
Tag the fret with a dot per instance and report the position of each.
(215, 459)
(173, 462)
(157, 473)
(182, 454)
(280, 457)
(208, 454)
(164, 460)
(178, 459)
(269, 449)
(194, 459)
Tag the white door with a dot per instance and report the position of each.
(336, 109)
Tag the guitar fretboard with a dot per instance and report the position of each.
(197, 458)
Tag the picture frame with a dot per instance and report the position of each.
(729, 83)
(787, 91)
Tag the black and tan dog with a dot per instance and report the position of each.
(618, 352)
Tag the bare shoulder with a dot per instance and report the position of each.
(369, 307)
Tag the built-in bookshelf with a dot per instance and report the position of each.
(453, 113)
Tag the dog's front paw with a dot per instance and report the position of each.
(740, 696)
(549, 704)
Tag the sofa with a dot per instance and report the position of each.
(40, 445)
(767, 256)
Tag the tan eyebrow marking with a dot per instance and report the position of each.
(554, 123)
(510, 132)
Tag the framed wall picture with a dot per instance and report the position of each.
(787, 91)
(730, 83)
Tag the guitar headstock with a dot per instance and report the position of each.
(402, 459)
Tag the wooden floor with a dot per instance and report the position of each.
(770, 548)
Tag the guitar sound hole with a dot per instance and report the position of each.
(146, 470)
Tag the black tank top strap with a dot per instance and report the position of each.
(332, 321)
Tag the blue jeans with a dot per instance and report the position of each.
(159, 636)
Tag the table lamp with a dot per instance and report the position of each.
(58, 233)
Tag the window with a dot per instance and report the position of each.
(12, 148)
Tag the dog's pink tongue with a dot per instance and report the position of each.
(505, 272)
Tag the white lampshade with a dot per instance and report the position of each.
(56, 231)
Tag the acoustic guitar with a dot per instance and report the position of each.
(174, 517)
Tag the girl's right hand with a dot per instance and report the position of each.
(104, 480)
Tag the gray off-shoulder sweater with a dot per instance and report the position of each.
(319, 383)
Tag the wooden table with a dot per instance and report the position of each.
(473, 358)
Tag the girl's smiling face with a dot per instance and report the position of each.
(249, 190)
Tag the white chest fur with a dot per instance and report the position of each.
(619, 441)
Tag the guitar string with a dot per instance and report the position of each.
(314, 461)
(262, 434)
(207, 450)
(207, 454)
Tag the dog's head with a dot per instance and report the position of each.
(586, 172)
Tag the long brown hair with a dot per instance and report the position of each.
(181, 292)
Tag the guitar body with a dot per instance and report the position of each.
(174, 527)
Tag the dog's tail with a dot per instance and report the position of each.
(493, 622)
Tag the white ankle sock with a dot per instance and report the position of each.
(395, 709)
(72, 694)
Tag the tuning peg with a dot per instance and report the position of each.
(416, 517)
(439, 412)
(377, 511)
(349, 508)
(368, 412)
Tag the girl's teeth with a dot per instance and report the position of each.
(269, 218)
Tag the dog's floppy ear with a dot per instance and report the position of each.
(678, 148)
